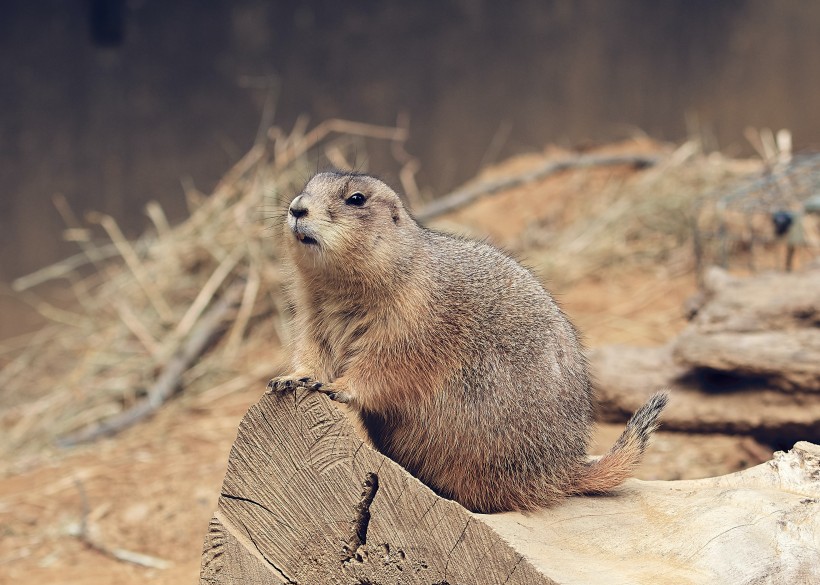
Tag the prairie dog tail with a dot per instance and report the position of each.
(619, 463)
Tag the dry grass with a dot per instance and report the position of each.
(587, 220)
(639, 220)
(142, 302)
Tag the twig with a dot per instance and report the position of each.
(336, 157)
(84, 535)
(258, 372)
(462, 197)
(410, 165)
(70, 219)
(246, 307)
(268, 111)
(295, 149)
(497, 142)
(136, 327)
(206, 294)
(407, 176)
(157, 216)
(69, 265)
(52, 313)
(200, 213)
(208, 326)
(132, 260)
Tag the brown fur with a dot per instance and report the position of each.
(460, 365)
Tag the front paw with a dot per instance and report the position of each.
(288, 383)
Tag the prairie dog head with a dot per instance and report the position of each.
(346, 224)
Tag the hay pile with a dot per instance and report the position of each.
(196, 307)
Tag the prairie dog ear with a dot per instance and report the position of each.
(394, 212)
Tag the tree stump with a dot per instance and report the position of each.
(305, 501)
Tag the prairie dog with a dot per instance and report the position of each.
(460, 365)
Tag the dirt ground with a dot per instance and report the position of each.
(65, 516)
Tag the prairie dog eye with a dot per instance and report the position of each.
(356, 200)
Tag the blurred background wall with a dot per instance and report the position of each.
(113, 103)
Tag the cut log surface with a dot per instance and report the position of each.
(305, 501)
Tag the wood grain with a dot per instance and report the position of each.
(305, 501)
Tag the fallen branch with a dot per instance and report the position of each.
(462, 197)
(208, 326)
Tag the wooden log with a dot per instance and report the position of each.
(764, 326)
(769, 301)
(787, 360)
(761, 525)
(701, 401)
(304, 501)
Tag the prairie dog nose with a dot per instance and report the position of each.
(298, 208)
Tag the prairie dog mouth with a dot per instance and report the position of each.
(301, 233)
(305, 239)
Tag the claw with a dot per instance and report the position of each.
(286, 384)
(340, 396)
(280, 385)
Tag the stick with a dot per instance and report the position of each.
(246, 307)
(208, 326)
(69, 265)
(293, 151)
(84, 535)
(136, 327)
(462, 197)
(206, 294)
